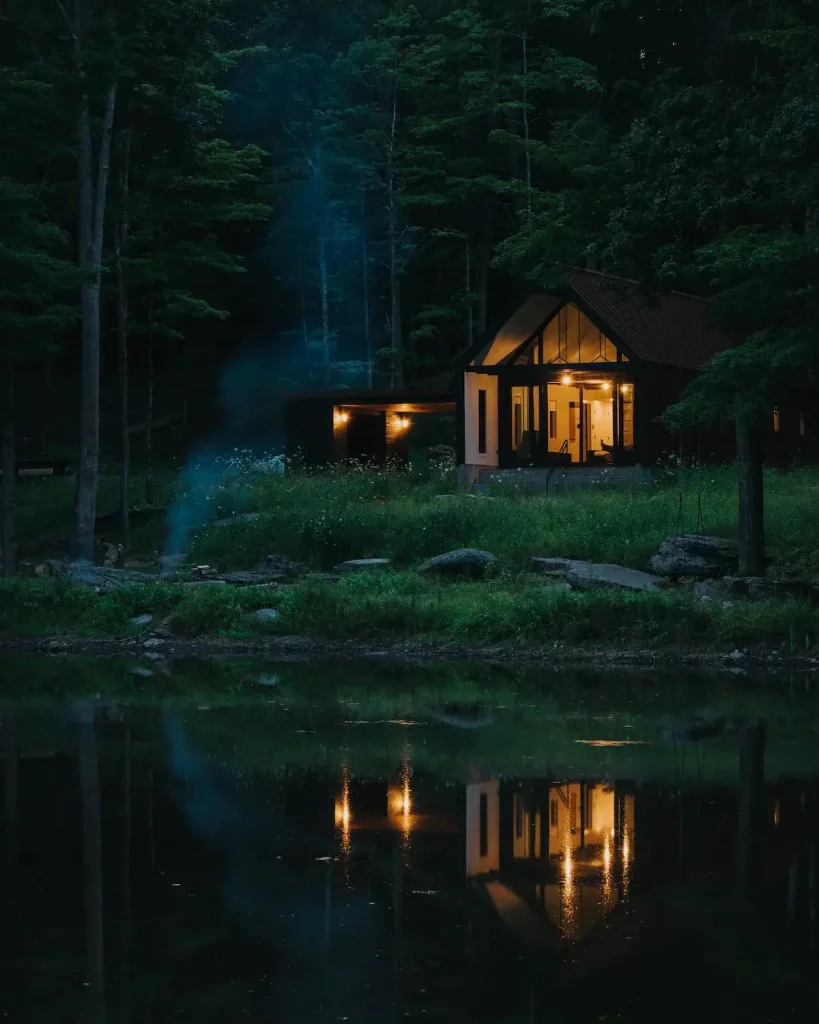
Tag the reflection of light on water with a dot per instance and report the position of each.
(406, 804)
(608, 873)
(568, 897)
(627, 841)
(343, 815)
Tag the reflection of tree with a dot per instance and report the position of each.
(751, 781)
(125, 879)
(92, 860)
(11, 788)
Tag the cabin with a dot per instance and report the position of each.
(324, 427)
(573, 382)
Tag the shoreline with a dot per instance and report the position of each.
(396, 649)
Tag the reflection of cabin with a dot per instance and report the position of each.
(552, 858)
(323, 427)
(579, 377)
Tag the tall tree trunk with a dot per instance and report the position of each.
(92, 863)
(751, 517)
(470, 306)
(11, 776)
(326, 340)
(91, 214)
(483, 267)
(365, 276)
(396, 333)
(527, 153)
(120, 245)
(9, 467)
(149, 434)
(125, 1013)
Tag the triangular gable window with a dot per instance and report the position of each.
(568, 338)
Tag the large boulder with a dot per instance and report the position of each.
(363, 565)
(754, 588)
(595, 575)
(695, 555)
(553, 566)
(461, 562)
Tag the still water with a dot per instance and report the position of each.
(257, 842)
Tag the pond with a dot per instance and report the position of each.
(320, 843)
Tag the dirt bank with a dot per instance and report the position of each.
(301, 648)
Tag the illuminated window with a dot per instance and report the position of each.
(776, 419)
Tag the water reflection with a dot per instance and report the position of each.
(152, 878)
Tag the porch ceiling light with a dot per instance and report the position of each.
(402, 423)
(607, 385)
(566, 379)
(625, 388)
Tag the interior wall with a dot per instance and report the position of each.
(473, 383)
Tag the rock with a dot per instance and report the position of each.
(142, 620)
(363, 564)
(594, 575)
(554, 566)
(205, 583)
(695, 555)
(279, 564)
(461, 562)
(102, 578)
(142, 671)
(164, 629)
(251, 578)
(265, 680)
(153, 656)
(754, 588)
(154, 642)
(264, 615)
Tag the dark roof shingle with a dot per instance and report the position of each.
(674, 332)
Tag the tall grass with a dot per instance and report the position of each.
(518, 610)
(323, 518)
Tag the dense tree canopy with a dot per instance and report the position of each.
(350, 188)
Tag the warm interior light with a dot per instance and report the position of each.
(341, 418)
(566, 379)
(402, 422)
(607, 385)
(625, 388)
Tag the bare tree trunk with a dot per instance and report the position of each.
(126, 1013)
(11, 775)
(120, 245)
(527, 153)
(396, 334)
(92, 863)
(751, 512)
(326, 340)
(470, 307)
(91, 210)
(9, 466)
(365, 275)
(149, 435)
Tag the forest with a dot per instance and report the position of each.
(204, 203)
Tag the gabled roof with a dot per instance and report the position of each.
(672, 332)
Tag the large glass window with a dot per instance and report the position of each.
(569, 337)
